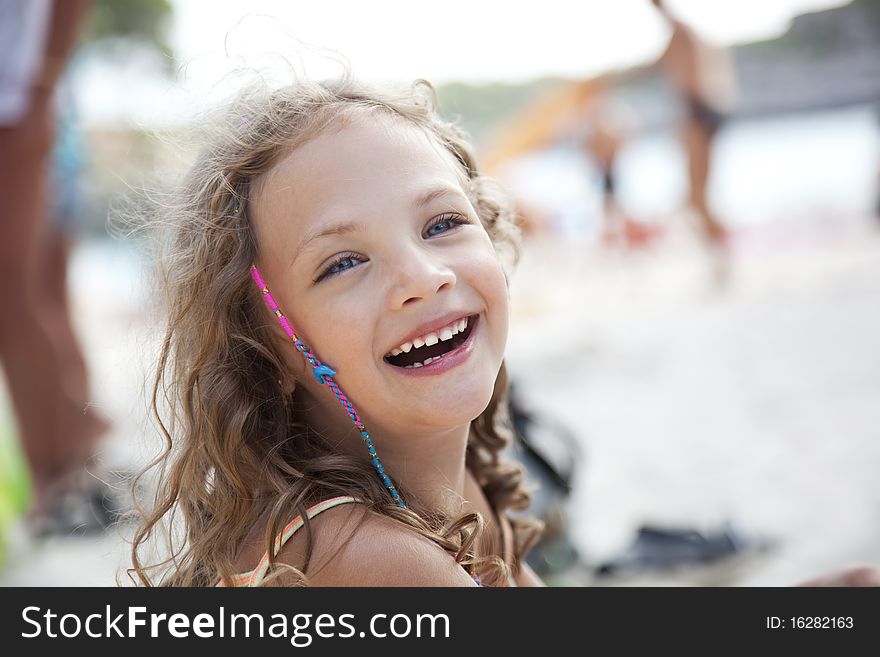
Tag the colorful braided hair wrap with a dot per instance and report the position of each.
(324, 374)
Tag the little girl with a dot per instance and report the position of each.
(337, 300)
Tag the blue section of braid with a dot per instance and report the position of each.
(324, 374)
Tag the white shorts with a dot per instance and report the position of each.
(24, 26)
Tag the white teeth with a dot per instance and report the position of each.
(446, 333)
(427, 361)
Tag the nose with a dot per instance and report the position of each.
(418, 275)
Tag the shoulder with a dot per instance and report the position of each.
(528, 577)
(353, 546)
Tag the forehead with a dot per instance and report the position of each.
(358, 168)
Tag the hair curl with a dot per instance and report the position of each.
(234, 445)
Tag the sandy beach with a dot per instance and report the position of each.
(754, 405)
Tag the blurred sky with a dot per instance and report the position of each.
(464, 40)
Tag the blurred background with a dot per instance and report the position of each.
(695, 316)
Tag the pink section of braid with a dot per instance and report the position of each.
(324, 374)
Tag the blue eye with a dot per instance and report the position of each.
(339, 264)
(444, 223)
(439, 225)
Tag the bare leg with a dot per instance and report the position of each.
(73, 369)
(73, 373)
(698, 143)
(56, 436)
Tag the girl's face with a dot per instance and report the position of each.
(370, 246)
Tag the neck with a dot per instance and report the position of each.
(433, 474)
(429, 466)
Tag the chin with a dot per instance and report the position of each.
(453, 411)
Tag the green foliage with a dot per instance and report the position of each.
(15, 482)
(113, 23)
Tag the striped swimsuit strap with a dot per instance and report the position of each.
(255, 576)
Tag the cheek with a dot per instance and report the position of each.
(489, 279)
(484, 273)
(310, 327)
(339, 336)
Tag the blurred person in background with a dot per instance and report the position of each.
(608, 124)
(42, 360)
(703, 76)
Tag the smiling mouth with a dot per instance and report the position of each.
(427, 354)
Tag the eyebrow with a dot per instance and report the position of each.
(432, 195)
(336, 229)
(349, 227)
